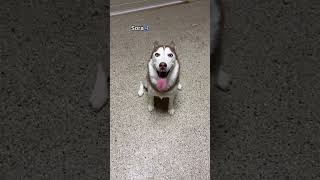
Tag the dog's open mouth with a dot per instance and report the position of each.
(162, 82)
(163, 74)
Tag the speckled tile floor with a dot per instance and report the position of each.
(48, 59)
(268, 125)
(156, 145)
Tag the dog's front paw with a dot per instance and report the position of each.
(140, 92)
(224, 81)
(179, 86)
(171, 111)
(150, 108)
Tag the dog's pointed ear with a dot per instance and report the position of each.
(172, 44)
(155, 44)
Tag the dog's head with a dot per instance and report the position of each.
(163, 58)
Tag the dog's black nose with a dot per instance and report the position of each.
(163, 65)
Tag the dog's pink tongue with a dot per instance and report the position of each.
(162, 84)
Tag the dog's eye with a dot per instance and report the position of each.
(157, 54)
(170, 55)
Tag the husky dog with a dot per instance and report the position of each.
(222, 79)
(163, 75)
